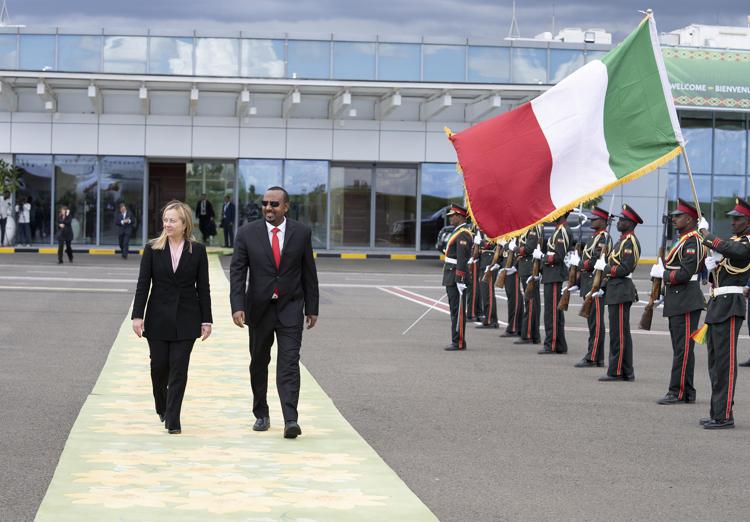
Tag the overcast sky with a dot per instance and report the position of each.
(477, 18)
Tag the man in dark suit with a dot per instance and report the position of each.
(281, 295)
(205, 214)
(227, 221)
(64, 234)
(125, 222)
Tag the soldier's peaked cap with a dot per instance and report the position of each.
(632, 215)
(683, 207)
(457, 209)
(741, 208)
(599, 213)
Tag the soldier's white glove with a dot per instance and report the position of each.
(532, 278)
(703, 224)
(599, 293)
(573, 260)
(461, 288)
(471, 261)
(711, 263)
(512, 245)
(495, 267)
(478, 238)
(537, 253)
(502, 243)
(657, 270)
(510, 271)
(573, 288)
(600, 264)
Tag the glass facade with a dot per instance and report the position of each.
(76, 185)
(121, 181)
(215, 180)
(396, 207)
(351, 204)
(255, 176)
(124, 54)
(36, 182)
(79, 53)
(262, 58)
(170, 55)
(441, 185)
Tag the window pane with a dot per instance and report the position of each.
(395, 207)
(702, 187)
(78, 53)
(697, 133)
(529, 65)
(255, 177)
(441, 186)
(263, 58)
(350, 206)
(307, 185)
(398, 62)
(76, 186)
(37, 52)
(36, 182)
(217, 56)
(121, 182)
(8, 51)
(444, 63)
(354, 61)
(489, 64)
(309, 59)
(125, 54)
(594, 55)
(170, 55)
(726, 188)
(730, 147)
(562, 62)
(215, 180)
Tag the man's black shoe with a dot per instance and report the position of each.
(746, 364)
(704, 421)
(628, 378)
(453, 348)
(292, 430)
(584, 363)
(520, 341)
(669, 398)
(262, 424)
(174, 431)
(714, 424)
(487, 325)
(161, 417)
(509, 334)
(610, 378)
(690, 399)
(545, 352)
(600, 364)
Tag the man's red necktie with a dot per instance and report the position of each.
(276, 253)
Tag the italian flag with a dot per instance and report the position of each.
(608, 123)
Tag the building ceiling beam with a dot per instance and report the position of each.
(434, 106)
(8, 97)
(95, 97)
(48, 96)
(291, 100)
(388, 104)
(483, 107)
(339, 104)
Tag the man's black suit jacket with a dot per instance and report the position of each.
(296, 279)
(180, 301)
(125, 228)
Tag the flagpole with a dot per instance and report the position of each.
(692, 182)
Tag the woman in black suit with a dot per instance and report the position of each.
(64, 234)
(175, 266)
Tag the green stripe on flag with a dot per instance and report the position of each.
(637, 126)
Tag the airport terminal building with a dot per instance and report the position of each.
(351, 126)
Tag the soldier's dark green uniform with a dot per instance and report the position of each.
(487, 287)
(513, 293)
(726, 311)
(532, 307)
(455, 272)
(620, 294)
(475, 310)
(554, 273)
(683, 303)
(591, 253)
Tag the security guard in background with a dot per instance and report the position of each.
(726, 310)
(554, 273)
(486, 279)
(683, 300)
(455, 275)
(620, 295)
(528, 242)
(590, 255)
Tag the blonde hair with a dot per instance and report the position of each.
(185, 213)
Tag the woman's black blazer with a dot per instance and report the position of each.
(179, 301)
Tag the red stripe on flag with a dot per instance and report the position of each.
(507, 166)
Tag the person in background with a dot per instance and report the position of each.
(227, 221)
(64, 234)
(175, 311)
(4, 212)
(205, 214)
(125, 222)
(23, 213)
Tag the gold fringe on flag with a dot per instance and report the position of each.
(699, 336)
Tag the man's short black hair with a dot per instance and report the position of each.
(282, 189)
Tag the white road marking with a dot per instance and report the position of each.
(67, 289)
(70, 279)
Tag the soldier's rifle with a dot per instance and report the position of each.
(656, 282)
(536, 267)
(487, 277)
(596, 284)
(573, 269)
(508, 263)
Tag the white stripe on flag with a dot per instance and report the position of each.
(571, 116)
(666, 86)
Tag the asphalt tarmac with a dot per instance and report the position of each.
(494, 433)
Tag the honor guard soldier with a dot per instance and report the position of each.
(600, 241)
(474, 311)
(554, 273)
(455, 275)
(620, 295)
(683, 300)
(528, 243)
(512, 290)
(487, 280)
(726, 310)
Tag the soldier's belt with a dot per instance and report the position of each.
(450, 261)
(723, 290)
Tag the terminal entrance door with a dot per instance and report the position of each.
(166, 181)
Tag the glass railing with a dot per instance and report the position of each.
(421, 60)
